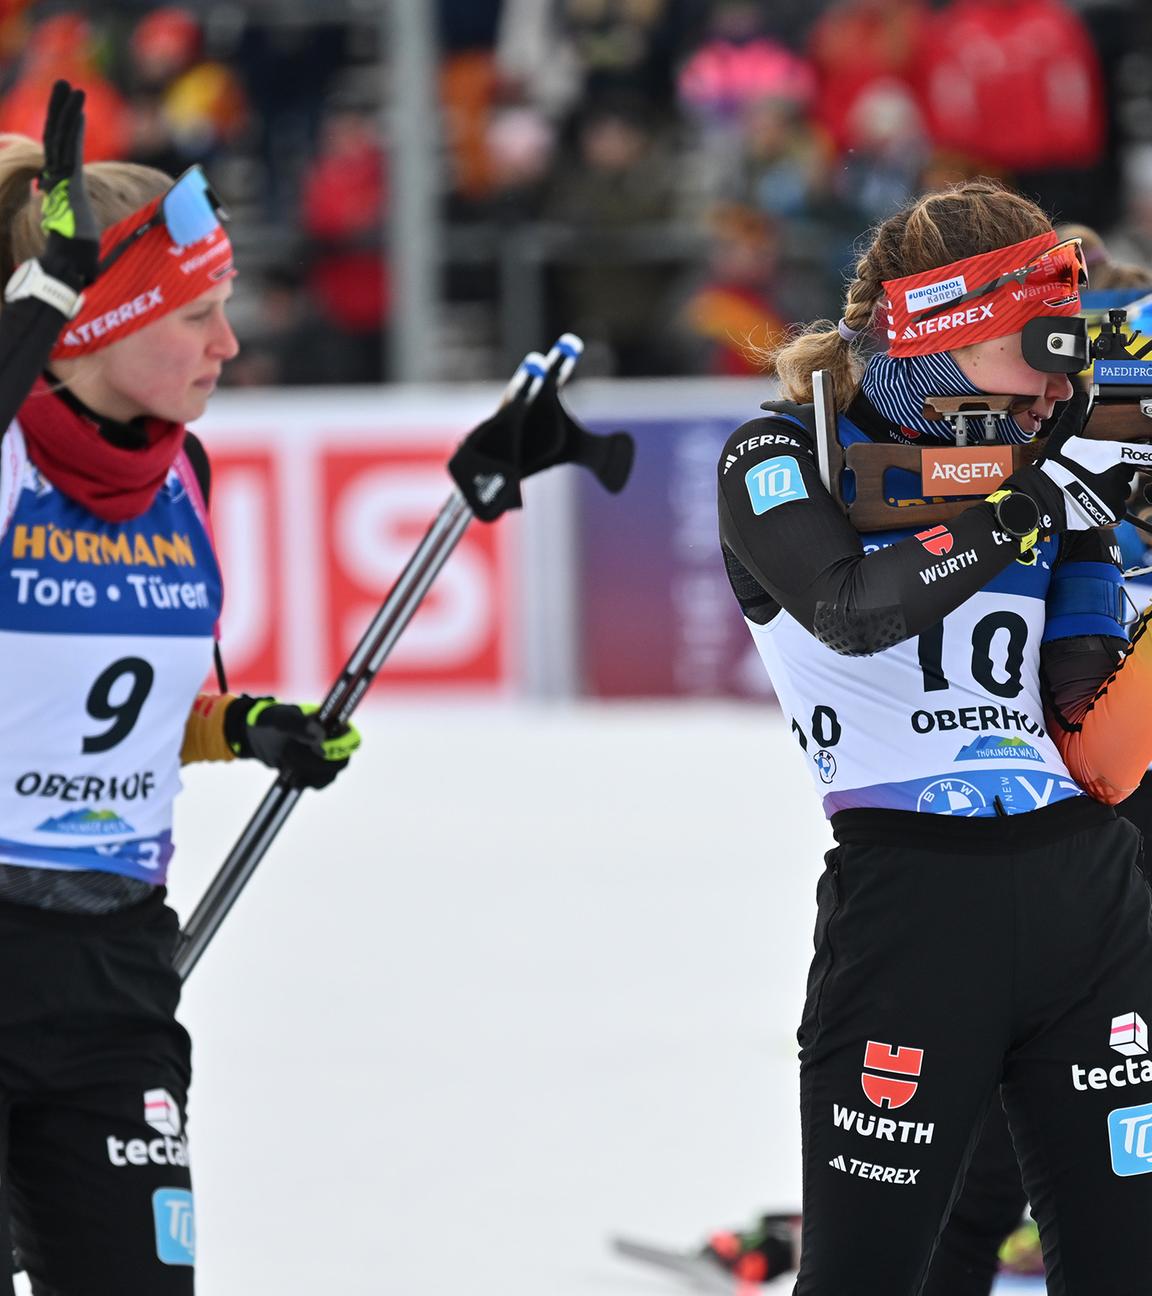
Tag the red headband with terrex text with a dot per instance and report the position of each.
(153, 278)
(984, 296)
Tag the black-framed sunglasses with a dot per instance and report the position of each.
(1063, 256)
(190, 210)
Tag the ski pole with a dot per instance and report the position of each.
(480, 494)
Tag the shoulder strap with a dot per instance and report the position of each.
(12, 457)
(197, 458)
(805, 415)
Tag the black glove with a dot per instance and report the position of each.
(531, 432)
(1077, 483)
(73, 249)
(288, 738)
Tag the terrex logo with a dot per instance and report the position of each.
(81, 334)
(868, 1170)
(937, 540)
(955, 320)
(886, 1090)
(758, 443)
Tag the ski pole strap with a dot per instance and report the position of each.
(533, 431)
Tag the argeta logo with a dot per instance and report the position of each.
(937, 540)
(161, 1111)
(1130, 1138)
(774, 482)
(175, 1220)
(954, 471)
(886, 1090)
(1129, 1034)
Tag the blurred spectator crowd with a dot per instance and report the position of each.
(673, 179)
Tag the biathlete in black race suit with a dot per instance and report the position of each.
(970, 709)
(113, 333)
(983, 1232)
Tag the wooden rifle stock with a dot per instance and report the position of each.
(1128, 420)
(976, 471)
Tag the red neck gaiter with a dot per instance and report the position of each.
(67, 447)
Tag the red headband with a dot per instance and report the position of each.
(152, 278)
(985, 296)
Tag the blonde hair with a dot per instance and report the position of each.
(115, 190)
(933, 230)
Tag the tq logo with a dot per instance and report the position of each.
(887, 1090)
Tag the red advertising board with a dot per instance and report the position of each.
(314, 518)
(377, 506)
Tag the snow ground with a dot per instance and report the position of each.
(526, 977)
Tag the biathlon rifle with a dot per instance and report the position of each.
(953, 476)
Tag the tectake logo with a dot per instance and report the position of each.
(899, 1061)
(169, 1148)
(938, 540)
(1129, 1035)
(161, 1111)
(774, 482)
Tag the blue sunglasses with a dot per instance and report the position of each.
(190, 210)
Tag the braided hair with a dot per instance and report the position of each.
(930, 231)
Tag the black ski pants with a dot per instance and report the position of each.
(992, 1199)
(957, 959)
(94, 1073)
